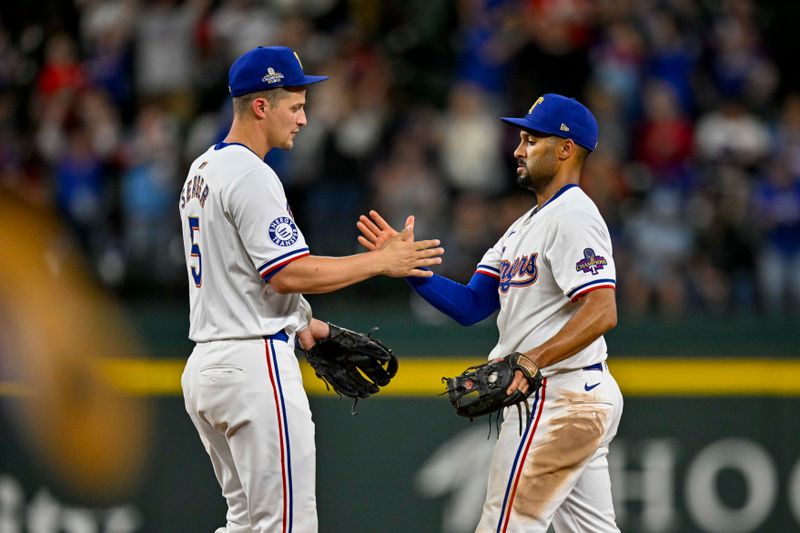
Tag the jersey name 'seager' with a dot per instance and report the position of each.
(195, 187)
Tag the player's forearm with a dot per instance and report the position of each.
(315, 274)
(597, 315)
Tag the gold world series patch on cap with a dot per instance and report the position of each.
(272, 76)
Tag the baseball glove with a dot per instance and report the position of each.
(354, 364)
(481, 390)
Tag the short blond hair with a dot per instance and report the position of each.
(241, 104)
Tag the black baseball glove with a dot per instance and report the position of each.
(354, 364)
(481, 390)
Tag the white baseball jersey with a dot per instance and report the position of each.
(242, 384)
(545, 261)
(238, 231)
(556, 470)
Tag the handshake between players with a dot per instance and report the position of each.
(399, 255)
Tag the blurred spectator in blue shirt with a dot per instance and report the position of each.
(777, 213)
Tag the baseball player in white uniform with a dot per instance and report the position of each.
(552, 277)
(247, 264)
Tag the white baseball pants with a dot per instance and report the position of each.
(557, 470)
(247, 401)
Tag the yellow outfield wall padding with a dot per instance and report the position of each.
(636, 377)
(421, 377)
(707, 377)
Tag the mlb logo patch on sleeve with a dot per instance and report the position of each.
(591, 262)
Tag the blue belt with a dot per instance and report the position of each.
(280, 336)
(596, 366)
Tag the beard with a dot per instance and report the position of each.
(536, 176)
(523, 180)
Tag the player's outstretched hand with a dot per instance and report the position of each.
(376, 232)
(401, 256)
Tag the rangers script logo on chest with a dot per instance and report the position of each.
(519, 272)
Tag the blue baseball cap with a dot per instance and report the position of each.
(268, 67)
(558, 115)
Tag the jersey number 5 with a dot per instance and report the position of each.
(197, 273)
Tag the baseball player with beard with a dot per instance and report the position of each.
(552, 277)
(248, 263)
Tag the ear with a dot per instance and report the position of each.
(566, 148)
(260, 107)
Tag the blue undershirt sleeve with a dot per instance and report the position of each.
(466, 304)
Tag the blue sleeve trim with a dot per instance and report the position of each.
(488, 270)
(266, 266)
(466, 304)
(267, 274)
(593, 282)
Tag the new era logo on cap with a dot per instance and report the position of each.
(558, 115)
(267, 67)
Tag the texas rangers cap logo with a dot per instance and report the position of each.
(591, 262)
(537, 102)
(283, 232)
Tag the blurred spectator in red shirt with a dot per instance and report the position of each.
(61, 71)
(664, 139)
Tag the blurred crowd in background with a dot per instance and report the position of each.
(104, 103)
